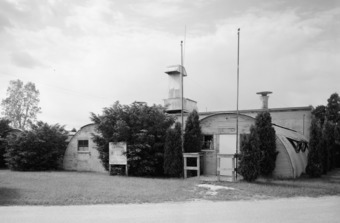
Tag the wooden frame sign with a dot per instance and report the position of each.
(117, 155)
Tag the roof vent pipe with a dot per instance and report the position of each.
(264, 98)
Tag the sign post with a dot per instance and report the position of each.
(117, 155)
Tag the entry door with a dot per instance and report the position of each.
(83, 161)
(227, 145)
(83, 156)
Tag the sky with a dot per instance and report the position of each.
(84, 55)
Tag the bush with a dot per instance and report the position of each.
(142, 127)
(41, 148)
(267, 143)
(192, 134)
(250, 156)
(314, 166)
(173, 156)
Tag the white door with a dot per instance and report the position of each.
(83, 161)
(227, 145)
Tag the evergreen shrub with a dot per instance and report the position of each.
(173, 156)
(314, 166)
(192, 134)
(250, 156)
(267, 142)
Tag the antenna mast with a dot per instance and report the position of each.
(182, 132)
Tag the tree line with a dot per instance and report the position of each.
(153, 138)
(25, 142)
(324, 145)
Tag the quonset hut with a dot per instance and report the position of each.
(81, 153)
(219, 137)
(219, 131)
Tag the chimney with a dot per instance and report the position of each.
(264, 98)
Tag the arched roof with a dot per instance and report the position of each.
(225, 113)
(81, 128)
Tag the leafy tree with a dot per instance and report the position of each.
(267, 145)
(173, 156)
(314, 166)
(250, 156)
(4, 128)
(21, 105)
(41, 148)
(192, 134)
(142, 127)
(333, 108)
(320, 113)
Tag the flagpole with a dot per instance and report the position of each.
(182, 132)
(237, 111)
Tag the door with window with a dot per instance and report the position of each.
(227, 145)
(83, 159)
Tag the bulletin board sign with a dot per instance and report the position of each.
(117, 153)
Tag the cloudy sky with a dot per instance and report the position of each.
(85, 55)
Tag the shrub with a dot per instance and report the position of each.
(192, 134)
(267, 143)
(314, 166)
(142, 127)
(173, 156)
(41, 148)
(250, 156)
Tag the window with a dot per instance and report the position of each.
(83, 145)
(208, 142)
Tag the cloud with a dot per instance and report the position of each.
(23, 59)
(158, 10)
(4, 22)
(103, 51)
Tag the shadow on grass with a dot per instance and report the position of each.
(8, 196)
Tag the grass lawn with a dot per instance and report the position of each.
(75, 188)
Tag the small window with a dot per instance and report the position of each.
(83, 145)
(208, 142)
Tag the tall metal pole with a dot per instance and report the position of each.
(182, 132)
(237, 112)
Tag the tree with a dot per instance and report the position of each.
(21, 105)
(173, 156)
(320, 113)
(142, 127)
(4, 129)
(267, 145)
(192, 134)
(314, 166)
(41, 148)
(250, 156)
(328, 146)
(333, 108)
